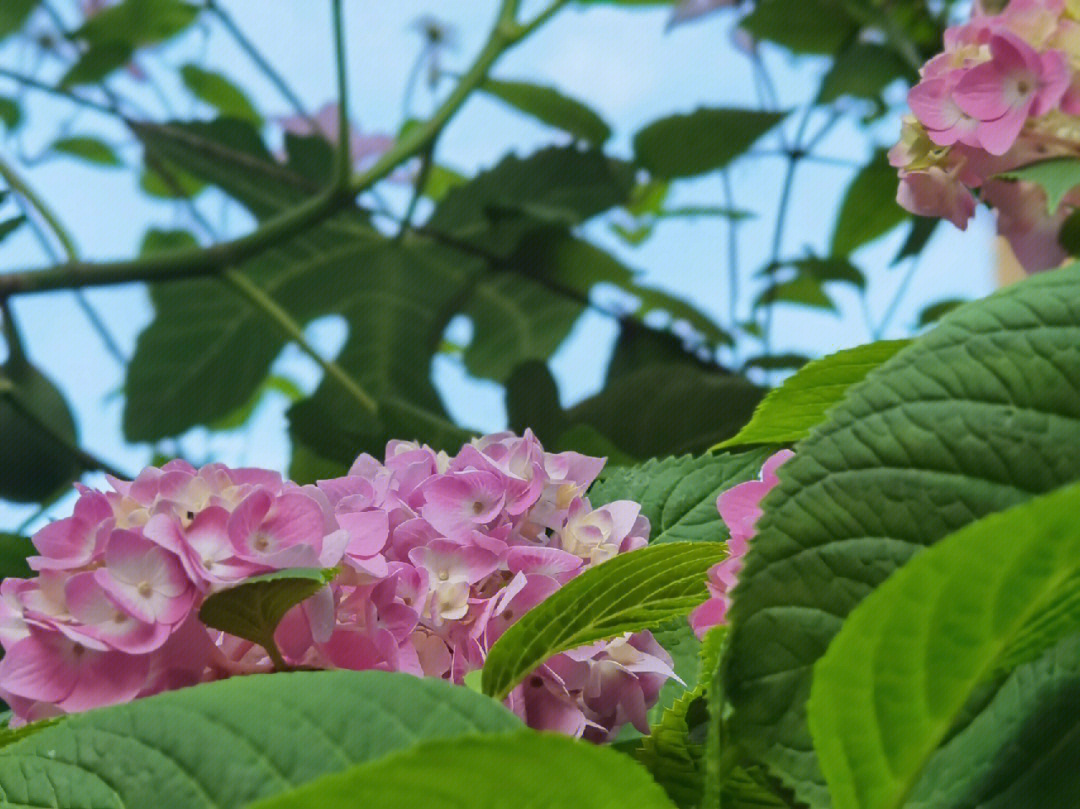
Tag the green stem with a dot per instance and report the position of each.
(30, 81)
(20, 187)
(426, 161)
(194, 262)
(898, 296)
(248, 47)
(733, 253)
(258, 296)
(343, 155)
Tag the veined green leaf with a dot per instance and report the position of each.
(552, 107)
(978, 415)
(253, 608)
(228, 743)
(486, 772)
(788, 413)
(702, 141)
(909, 657)
(627, 593)
(678, 495)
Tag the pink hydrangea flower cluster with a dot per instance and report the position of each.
(740, 509)
(1004, 93)
(438, 556)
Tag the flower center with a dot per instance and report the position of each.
(145, 590)
(477, 507)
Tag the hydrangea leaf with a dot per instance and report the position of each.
(627, 593)
(91, 150)
(253, 608)
(678, 495)
(869, 208)
(789, 412)
(228, 743)
(810, 26)
(220, 93)
(909, 657)
(14, 550)
(552, 107)
(486, 772)
(978, 415)
(1020, 749)
(1057, 177)
(701, 141)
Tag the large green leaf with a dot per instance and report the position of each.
(788, 413)
(702, 141)
(669, 408)
(14, 550)
(862, 70)
(555, 187)
(253, 608)
(629, 592)
(228, 743)
(487, 772)
(1021, 749)
(38, 433)
(13, 14)
(678, 495)
(910, 656)
(551, 107)
(976, 416)
(869, 209)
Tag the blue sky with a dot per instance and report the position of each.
(623, 63)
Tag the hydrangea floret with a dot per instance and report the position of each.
(740, 509)
(438, 555)
(1005, 93)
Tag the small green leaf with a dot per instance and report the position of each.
(220, 93)
(863, 70)
(13, 13)
(808, 26)
(96, 63)
(487, 772)
(804, 290)
(138, 22)
(551, 107)
(869, 209)
(702, 141)
(253, 608)
(1057, 176)
(922, 229)
(14, 550)
(10, 113)
(935, 311)
(788, 361)
(630, 592)
(788, 413)
(441, 180)
(678, 495)
(9, 226)
(909, 657)
(91, 150)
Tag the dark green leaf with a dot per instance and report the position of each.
(486, 772)
(1057, 177)
(35, 461)
(630, 592)
(935, 311)
(157, 241)
(804, 290)
(220, 93)
(809, 26)
(10, 113)
(877, 710)
(13, 552)
(89, 149)
(275, 383)
(978, 415)
(1069, 234)
(253, 608)
(225, 744)
(776, 362)
(13, 14)
(922, 229)
(788, 413)
(96, 63)
(551, 107)
(9, 226)
(138, 22)
(635, 411)
(557, 187)
(869, 209)
(862, 70)
(678, 495)
(702, 141)
(831, 269)
(532, 402)
(307, 466)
